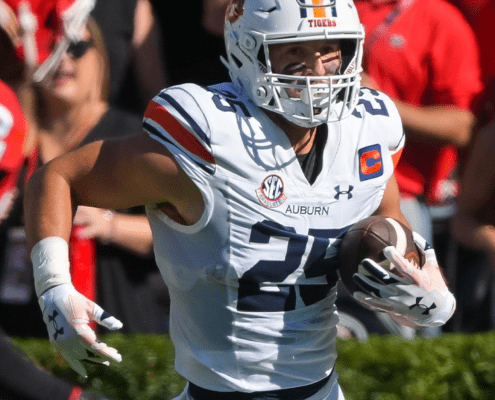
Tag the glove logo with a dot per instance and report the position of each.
(51, 318)
(423, 306)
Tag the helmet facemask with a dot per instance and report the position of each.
(310, 101)
(306, 101)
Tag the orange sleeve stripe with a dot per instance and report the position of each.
(186, 139)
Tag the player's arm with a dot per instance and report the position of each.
(112, 174)
(109, 174)
(469, 225)
(398, 294)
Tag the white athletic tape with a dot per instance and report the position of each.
(51, 267)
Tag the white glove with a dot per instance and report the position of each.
(67, 313)
(414, 296)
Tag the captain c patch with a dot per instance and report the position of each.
(370, 162)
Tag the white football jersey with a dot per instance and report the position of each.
(253, 282)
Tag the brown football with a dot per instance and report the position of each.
(367, 239)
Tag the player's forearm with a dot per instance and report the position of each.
(445, 123)
(47, 206)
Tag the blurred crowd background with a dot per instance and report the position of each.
(434, 58)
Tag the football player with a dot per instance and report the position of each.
(249, 186)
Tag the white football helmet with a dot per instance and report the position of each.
(252, 26)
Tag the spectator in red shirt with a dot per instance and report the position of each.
(424, 55)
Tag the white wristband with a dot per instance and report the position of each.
(51, 267)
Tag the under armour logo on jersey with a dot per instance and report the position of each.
(343, 192)
(423, 306)
(51, 318)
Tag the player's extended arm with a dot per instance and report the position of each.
(110, 174)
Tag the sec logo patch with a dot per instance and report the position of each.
(370, 162)
(271, 193)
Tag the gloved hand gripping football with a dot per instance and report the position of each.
(67, 314)
(413, 296)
